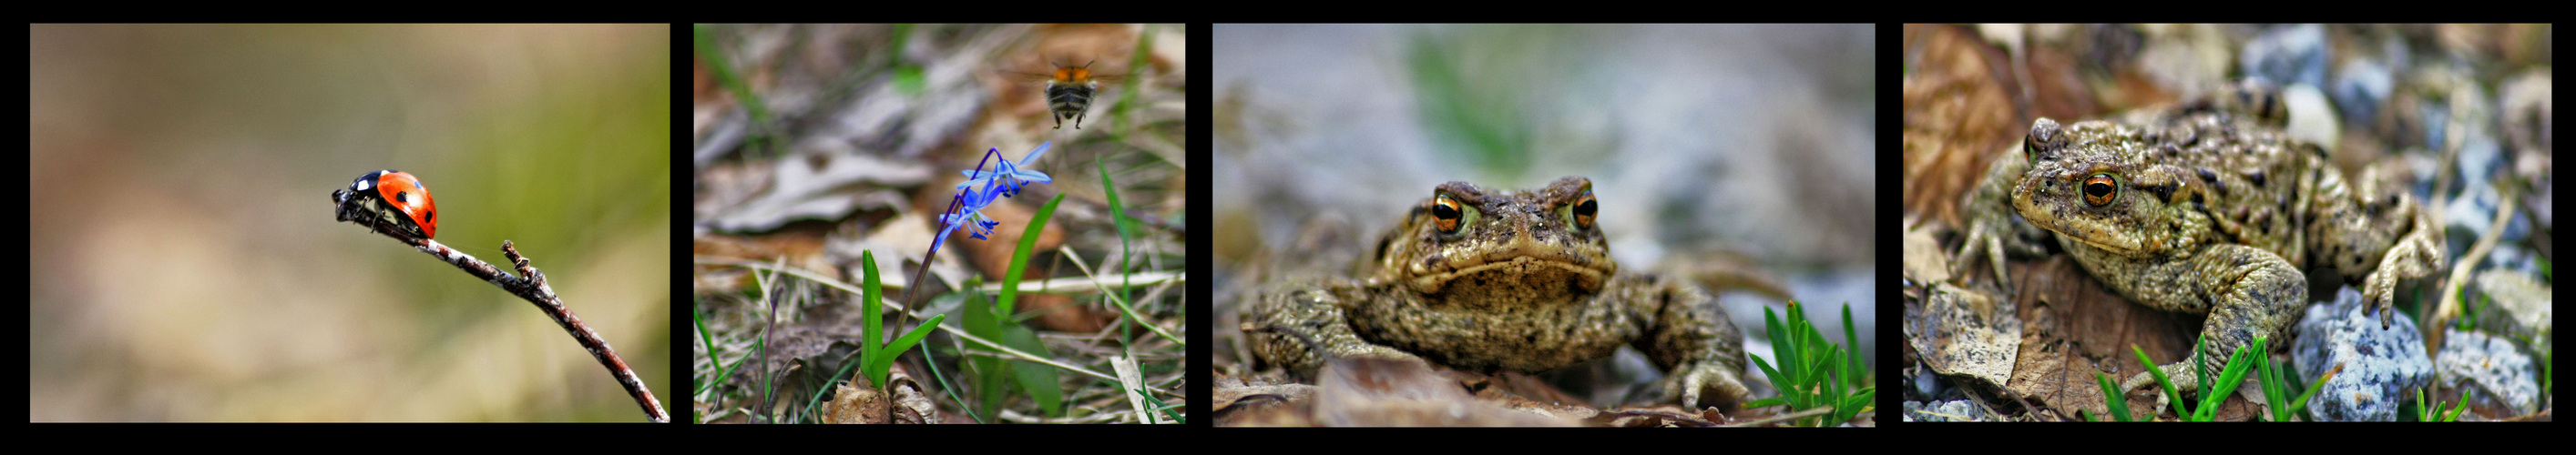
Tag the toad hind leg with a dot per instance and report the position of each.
(2358, 241)
(2414, 256)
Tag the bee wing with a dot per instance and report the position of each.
(1026, 76)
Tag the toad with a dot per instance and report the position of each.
(1487, 280)
(2207, 208)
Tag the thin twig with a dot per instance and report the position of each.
(2442, 310)
(531, 285)
(1119, 299)
(1827, 409)
(1073, 285)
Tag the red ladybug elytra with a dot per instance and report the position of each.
(394, 197)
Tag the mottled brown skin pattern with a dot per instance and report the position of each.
(2207, 210)
(1514, 281)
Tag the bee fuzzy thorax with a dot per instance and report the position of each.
(1072, 74)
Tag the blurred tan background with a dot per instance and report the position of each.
(186, 266)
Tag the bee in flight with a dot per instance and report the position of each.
(1069, 91)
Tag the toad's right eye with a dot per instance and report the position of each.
(1447, 214)
(2100, 189)
(2044, 135)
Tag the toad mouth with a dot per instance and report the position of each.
(1433, 282)
(2123, 248)
(1527, 256)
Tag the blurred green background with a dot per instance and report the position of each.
(1705, 142)
(186, 265)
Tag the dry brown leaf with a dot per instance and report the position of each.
(1958, 107)
(1381, 392)
(1961, 332)
(911, 404)
(854, 403)
(1262, 402)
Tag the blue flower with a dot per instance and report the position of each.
(1009, 177)
(982, 188)
(969, 214)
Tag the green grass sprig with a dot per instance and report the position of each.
(1814, 373)
(2215, 392)
(879, 358)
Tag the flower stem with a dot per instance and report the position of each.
(905, 316)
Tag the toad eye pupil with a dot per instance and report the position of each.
(2099, 189)
(1584, 210)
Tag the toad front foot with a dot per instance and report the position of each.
(2248, 293)
(1700, 350)
(1298, 327)
(2180, 372)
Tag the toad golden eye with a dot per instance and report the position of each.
(2099, 189)
(1446, 214)
(1582, 211)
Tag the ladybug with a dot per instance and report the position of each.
(390, 197)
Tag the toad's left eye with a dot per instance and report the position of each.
(1581, 211)
(2100, 189)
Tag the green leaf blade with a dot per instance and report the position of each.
(1020, 256)
(879, 366)
(872, 328)
(1041, 381)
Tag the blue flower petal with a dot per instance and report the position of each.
(981, 188)
(943, 238)
(977, 177)
(1016, 178)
